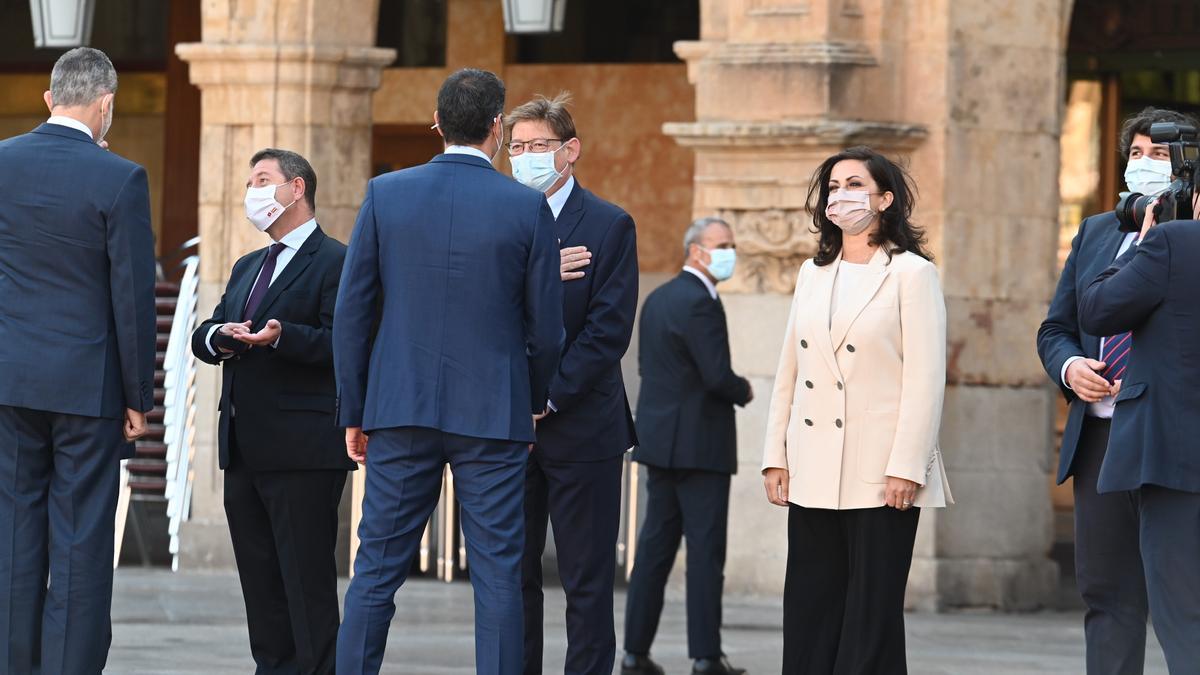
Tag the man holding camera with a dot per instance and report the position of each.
(1090, 367)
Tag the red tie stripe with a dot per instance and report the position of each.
(1115, 355)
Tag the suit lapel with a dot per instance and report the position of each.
(571, 215)
(822, 295)
(860, 296)
(290, 273)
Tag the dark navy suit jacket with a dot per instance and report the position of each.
(1154, 291)
(1060, 336)
(593, 420)
(77, 273)
(449, 313)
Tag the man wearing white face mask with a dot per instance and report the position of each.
(1089, 370)
(573, 475)
(280, 449)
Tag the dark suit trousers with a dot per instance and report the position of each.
(1170, 542)
(1108, 563)
(680, 503)
(284, 530)
(583, 502)
(404, 477)
(59, 476)
(843, 597)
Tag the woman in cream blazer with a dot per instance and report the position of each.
(851, 442)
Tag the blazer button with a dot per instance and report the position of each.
(808, 384)
(840, 387)
(804, 344)
(850, 348)
(838, 423)
(808, 422)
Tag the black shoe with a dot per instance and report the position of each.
(717, 666)
(636, 664)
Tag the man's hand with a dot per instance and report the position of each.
(1148, 219)
(1116, 388)
(135, 424)
(102, 143)
(899, 493)
(1083, 376)
(356, 445)
(749, 388)
(263, 338)
(232, 330)
(572, 259)
(776, 483)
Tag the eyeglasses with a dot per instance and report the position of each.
(536, 145)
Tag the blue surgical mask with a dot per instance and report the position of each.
(536, 169)
(721, 263)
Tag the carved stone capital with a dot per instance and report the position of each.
(224, 65)
(772, 243)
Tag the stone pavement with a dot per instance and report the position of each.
(194, 623)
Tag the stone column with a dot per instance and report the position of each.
(782, 84)
(292, 74)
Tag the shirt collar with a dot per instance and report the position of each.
(71, 122)
(712, 288)
(559, 199)
(296, 238)
(467, 150)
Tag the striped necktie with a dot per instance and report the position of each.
(1115, 355)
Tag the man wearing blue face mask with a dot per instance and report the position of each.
(689, 445)
(573, 476)
(1089, 371)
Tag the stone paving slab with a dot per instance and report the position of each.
(194, 623)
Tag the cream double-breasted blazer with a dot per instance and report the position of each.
(858, 395)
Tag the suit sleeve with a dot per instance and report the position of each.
(200, 335)
(1126, 293)
(1058, 338)
(313, 345)
(544, 335)
(780, 410)
(355, 315)
(707, 338)
(923, 375)
(608, 327)
(132, 274)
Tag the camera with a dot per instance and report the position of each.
(1174, 203)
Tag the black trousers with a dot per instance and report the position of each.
(680, 503)
(1170, 543)
(843, 598)
(583, 502)
(284, 530)
(1108, 562)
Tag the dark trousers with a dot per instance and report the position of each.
(1170, 543)
(680, 503)
(59, 476)
(404, 475)
(583, 502)
(843, 597)
(284, 530)
(1108, 562)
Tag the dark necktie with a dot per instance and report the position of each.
(264, 281)
(1115, 355)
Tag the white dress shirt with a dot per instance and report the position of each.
(64, 121)
(559, 199)
(712, 288)
(292, 242)
(467, 150)
(1105, 407)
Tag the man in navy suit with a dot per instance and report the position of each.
(1087, 367)
(1153, 290)
(77, 344)
(447, 333)
(574, 474)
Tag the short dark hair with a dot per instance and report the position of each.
(292, 166)
(1141, 123)
(896, 234)
(468, 104)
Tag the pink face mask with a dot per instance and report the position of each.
(850, 210)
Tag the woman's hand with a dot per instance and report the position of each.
(776, 483)
(900, 493)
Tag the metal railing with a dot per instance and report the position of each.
(179, 404)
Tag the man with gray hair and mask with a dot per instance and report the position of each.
(77, 327)
(688, 442)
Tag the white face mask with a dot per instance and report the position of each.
(262, 209)
(1148, 176)
(536, 169)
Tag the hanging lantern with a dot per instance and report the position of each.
(62, 23)
(534, 16)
